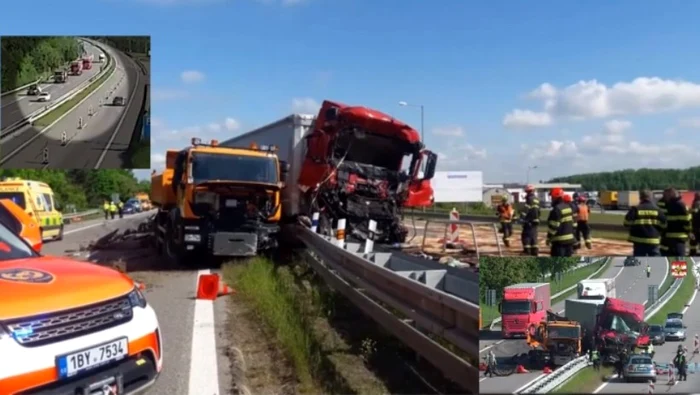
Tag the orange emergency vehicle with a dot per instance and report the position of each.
(69, 326)
(15, 218)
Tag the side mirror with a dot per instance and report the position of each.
(331, 114)
(430, 165)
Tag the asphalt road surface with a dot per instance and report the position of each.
(193, 347)
(16, 105)
(105, 136)
(631, 284)
(664, 355)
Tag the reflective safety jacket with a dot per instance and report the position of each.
(105, 207)
(678, 220)
(505, 213)
(583, 213)
(646, 222)
(121, 204)
(530, 216)
(561, 224)
(112, 207)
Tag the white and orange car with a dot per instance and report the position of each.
(72, 327)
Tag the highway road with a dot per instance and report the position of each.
(203, 369)
(665, 354)
(16, 105)
(631, 284)
(104, 138)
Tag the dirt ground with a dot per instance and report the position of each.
(487, 242)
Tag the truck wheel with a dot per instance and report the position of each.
(60, 234)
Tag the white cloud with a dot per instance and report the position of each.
(693, 123)
(592, 99)
(191, 76)
(168, 94)
(231, 124)
(449, 131)
(157, 160)
(616, 126)
(526, 118)
(214, 127)
(305, 105)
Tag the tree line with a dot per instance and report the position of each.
(85, 189)
(27, 59)
(636, 179)
(134, 44)
(500, 272)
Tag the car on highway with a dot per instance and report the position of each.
(674, 328)
(118, 101)
(632, 261)
(69, 326)
(129, 209)
(657, 335)
(44, 97)
(639, 367)
(135, 204)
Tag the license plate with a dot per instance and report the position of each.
(71, 364)
(231, 203)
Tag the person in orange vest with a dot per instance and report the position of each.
(505, 217)
(582, 226)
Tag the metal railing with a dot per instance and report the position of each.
(432, 300)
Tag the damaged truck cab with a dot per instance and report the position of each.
(361, 164)
(218, 201)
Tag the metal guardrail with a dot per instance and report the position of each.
(430, 297)
(488, 219)
(20, 88)
(547, 383)
(29, 118)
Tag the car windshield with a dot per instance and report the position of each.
(564, 332)
(674, 325)
(13, 247)
(656, 329)
(640, 361)
(16, 197)
(515, 307)
(222, 167)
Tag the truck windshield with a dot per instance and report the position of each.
(16, 197)
(386, 152)
(623, 323)
(212, 167)
(515, 307)
(564, 332)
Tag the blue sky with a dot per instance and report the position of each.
(609, 86)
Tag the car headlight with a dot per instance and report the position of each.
(137, 299)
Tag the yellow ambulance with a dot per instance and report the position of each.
(37, 199)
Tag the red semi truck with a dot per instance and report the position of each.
(348, 162)
(523, 305)
(76, 68)
(87, 62)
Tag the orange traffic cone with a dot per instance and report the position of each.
(521, 369)
(210, 286)
(546, 370)
(140, 286)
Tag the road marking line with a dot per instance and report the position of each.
(68, 232)
(204, 372)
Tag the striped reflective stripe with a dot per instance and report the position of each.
(52, 221)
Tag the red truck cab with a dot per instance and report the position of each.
(621, 320)
(523, 305)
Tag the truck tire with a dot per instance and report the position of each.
(60, 234)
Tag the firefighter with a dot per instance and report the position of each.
(568, 199)
(505, 217)
(678, 227)
(105, 207)
(646, 222)
(695, 225)
(582, 226)
(530, 220)
(560, 236)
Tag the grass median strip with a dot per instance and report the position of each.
(50, 117)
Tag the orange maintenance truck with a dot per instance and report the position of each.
(71, 327)
(218, 201)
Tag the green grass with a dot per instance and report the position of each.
(587, 381)
(490, 313)
(667, 282)
(57, 112)
(678, 301)
(138, 156)
(281, 310)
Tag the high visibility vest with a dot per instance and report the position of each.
(648, 269)
(594, 355)
(583, 212)
(121, 204)
(112, 207)
(106, 206)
